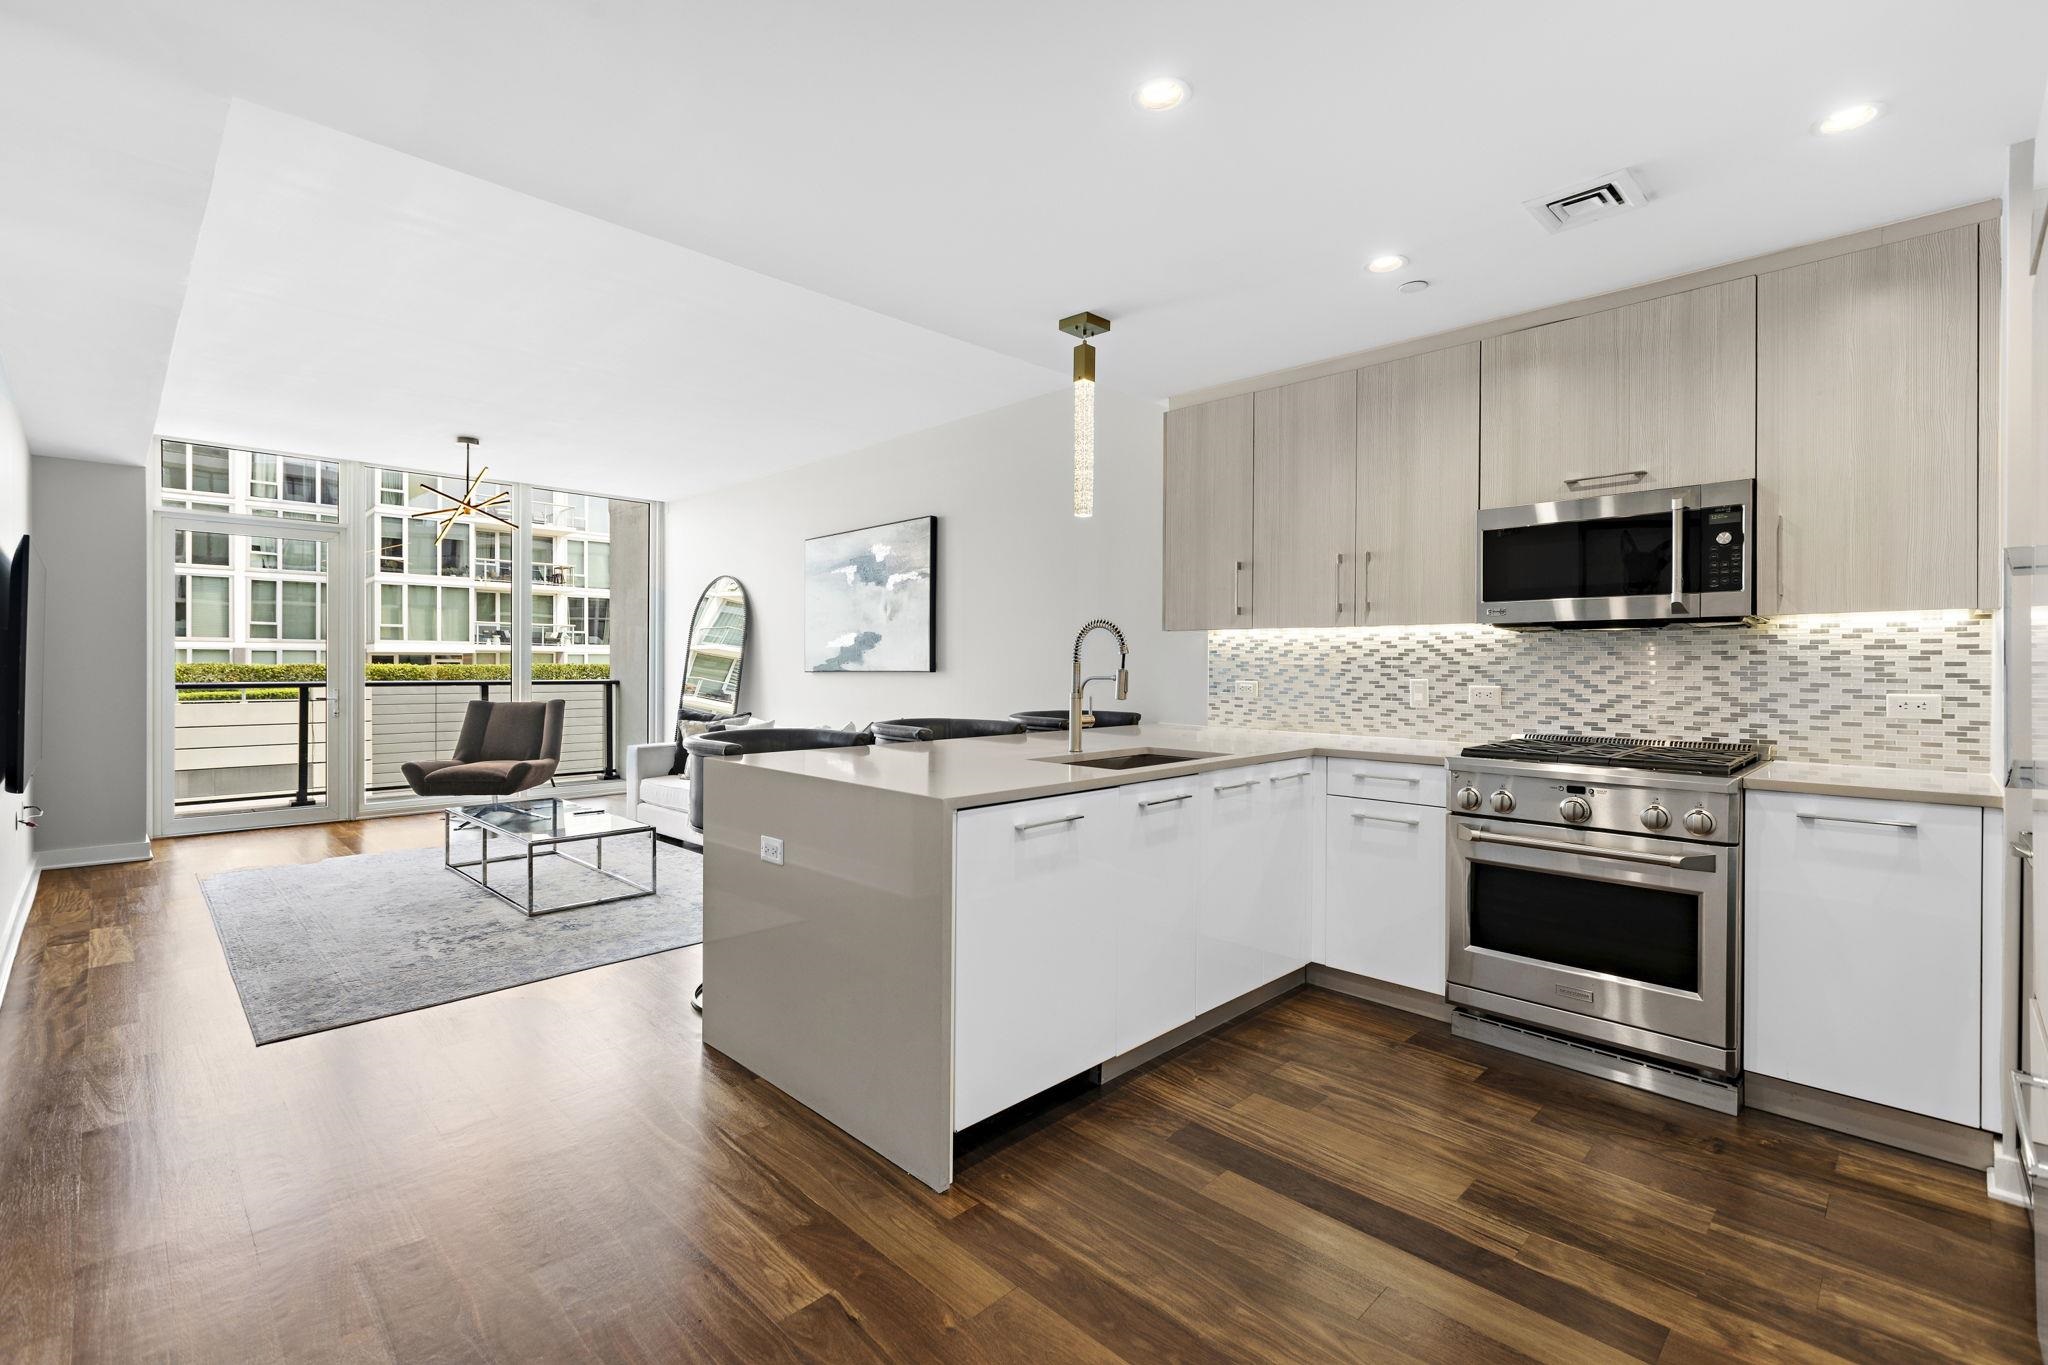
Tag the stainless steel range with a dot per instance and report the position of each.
(1595, 906)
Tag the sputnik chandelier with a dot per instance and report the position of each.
(466, 505)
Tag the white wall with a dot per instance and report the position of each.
(15, 849)
(92, 543)
(1018, 574)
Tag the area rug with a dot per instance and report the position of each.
(314, 946)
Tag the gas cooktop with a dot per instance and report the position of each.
(1703, 758)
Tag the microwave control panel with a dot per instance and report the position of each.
(1725, 550)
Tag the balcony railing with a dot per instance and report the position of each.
(264, 745)
(494, 570)
(558, 635)
(556, 574)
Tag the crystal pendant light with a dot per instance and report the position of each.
(1084, 325)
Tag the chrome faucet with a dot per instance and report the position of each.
(1077, 705)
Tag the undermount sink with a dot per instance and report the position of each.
(1133, 758)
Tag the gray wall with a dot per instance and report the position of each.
(16, 850)
(1018, 573)
(92, 537)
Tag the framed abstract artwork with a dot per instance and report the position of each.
(870, 599)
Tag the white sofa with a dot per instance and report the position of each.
(652, 795)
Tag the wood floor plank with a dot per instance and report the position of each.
(562, 1171)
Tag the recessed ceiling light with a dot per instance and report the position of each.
(1414, 286)
(1848, 120)
(1381, 265)
(1162, 93)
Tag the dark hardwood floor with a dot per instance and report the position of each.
(561, 1172)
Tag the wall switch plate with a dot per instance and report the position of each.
(1913, 705)
(1247, 689)
(771, 849)
(1418, 691)
(1483, 694)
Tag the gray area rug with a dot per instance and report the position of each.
(314, 946)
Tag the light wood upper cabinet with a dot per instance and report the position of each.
(1418, 488)
(1651, 395)
(1867, 429)
(1304, 517)
(1208, 535)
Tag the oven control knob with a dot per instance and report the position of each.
(1575, 809)
(1468, 798)
(1656, 817)
(1698, 821)
(1503, 801)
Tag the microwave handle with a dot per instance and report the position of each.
(1677, 555)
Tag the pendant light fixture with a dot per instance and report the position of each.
(466, 505)
(1084, 325)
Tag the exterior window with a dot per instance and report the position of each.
(494, 555)
(193, 468)
(455, 552)
(302, 656)
(455, 614)
(304, 607)
(419, 546)
(201, 607)
(390, 545)
(209, 548)
(260, 656)
(305, 556)
(420, 603)
(262, 552)
(600, 571)
(391, 487)
(494, 618)
(390, 612)
(590, 620)
(263, 609)
(262, 475)
(729, 627)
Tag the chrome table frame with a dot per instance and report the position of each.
(543, 846)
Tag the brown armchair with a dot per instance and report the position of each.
(505, 747)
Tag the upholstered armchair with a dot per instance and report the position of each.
(505, 748)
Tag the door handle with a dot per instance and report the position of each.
(1385, 819)
(1816, 818)
(1047, 824)
(1697, 862)
(1165, 800)
(1622, 476)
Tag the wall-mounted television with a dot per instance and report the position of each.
(20, 627)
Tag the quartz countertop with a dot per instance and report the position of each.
(982, 772)
(1876, 784)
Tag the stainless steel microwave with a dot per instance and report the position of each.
(1645, 557)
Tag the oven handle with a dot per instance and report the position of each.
(1688, 862)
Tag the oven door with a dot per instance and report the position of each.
(1628, 941)
(1669, 554)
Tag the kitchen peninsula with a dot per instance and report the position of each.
(1097, 909)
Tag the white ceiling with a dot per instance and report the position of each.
(979, 171)
(350, 300)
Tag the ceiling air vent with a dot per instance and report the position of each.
(1602, 197)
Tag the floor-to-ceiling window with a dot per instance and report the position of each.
(441, 613)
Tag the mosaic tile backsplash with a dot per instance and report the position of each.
(1815, 685)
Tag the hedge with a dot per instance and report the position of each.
(276, 673)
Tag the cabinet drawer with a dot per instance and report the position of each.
(1862, 952)
(1416, 784)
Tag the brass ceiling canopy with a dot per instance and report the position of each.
(467, 504)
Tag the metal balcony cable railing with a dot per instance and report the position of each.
(308, 747)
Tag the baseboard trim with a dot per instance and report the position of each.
(2006, 1181)
(1379, 992)
(94, 855)
(17, 923)
(1937, 1138)
(1199, 1025)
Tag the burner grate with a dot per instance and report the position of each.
(1708, 758)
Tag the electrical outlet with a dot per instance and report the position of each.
(1483, 694)
(1247, 689)
(771, 849)
(1913, 705)
(1418, 691)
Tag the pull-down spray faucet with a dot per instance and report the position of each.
(1077, 704)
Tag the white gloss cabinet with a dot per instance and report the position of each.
(1862, 961)
(1034, 965)
(1145, 850)
(1384, 892)
(1256, 869)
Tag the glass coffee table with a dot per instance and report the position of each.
(547, 828)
